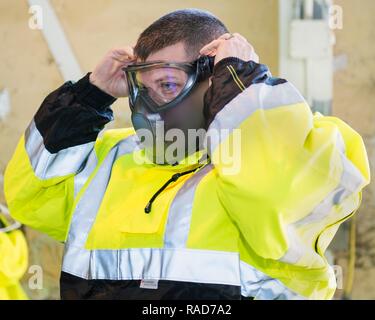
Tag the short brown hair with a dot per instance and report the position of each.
(194, 27)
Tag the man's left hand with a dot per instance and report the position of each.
(230, 45)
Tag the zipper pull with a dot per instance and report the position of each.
(174, 178)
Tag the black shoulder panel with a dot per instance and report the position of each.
(73, 114)
(230, 77)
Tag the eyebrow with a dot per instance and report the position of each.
(168, 77)
(167, 61)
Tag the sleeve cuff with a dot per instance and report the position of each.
(91, 95)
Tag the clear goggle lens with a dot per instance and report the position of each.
(162, 84)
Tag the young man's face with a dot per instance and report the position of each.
(188, 114)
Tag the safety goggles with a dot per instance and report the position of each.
(162, 84)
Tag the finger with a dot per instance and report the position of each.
(206, 47)
(126, 49)
(222, 37)
(226, 36)
(122, 59)
(242, 39)
(211, 46)
(256, 58)
(124, 56)
(211, 53)
(215, 43)
(239, 36)
(124, 52)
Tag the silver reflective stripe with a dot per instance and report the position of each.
(149, 263)
(88, 206)
(180, 211)
(48, 165)
(255, 97)
(340, 143)
(351, 182)
(88, 168)
(296, 247)
(201, 266)
(262, 287)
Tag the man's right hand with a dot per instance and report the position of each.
(108, 75)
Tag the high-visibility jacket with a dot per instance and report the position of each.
(13, 262)
(254, 222)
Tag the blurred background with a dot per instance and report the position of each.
(325, 48)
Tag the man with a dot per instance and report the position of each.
(247, 213)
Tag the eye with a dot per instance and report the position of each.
(169, 86)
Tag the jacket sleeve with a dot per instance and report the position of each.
(54, 155)
(286, 177)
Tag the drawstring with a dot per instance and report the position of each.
(172, 179)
